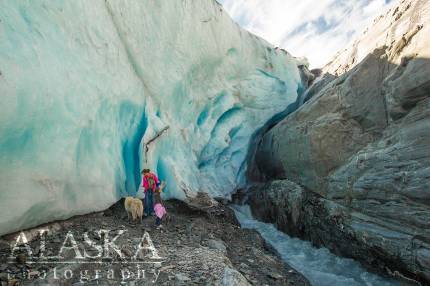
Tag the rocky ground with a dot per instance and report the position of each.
(198, 246)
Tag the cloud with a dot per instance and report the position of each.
(316, 29)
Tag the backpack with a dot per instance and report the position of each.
(151, 182)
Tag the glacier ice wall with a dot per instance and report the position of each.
(92, 91)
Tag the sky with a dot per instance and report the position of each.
(315, 29)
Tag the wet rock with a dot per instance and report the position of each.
(233, 277)
(217, 244)
(274, 275)
(221, 200)
(280, 202)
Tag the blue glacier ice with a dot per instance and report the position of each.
(93, 91)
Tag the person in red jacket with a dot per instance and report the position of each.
(150, 183)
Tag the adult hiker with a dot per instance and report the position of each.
(150, 183)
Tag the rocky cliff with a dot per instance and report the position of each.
(357, 153)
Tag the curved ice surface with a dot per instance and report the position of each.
(319, 265)
(92, 91)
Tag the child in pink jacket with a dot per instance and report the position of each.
(159, 209)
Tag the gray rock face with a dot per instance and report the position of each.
(316, 87)
(360, 148)
(300, 148)
(404, 91)
(381, 244)
(279, 202)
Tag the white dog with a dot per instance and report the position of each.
(134, 208)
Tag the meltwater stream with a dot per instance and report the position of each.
(318, 265)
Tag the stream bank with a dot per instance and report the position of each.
(319, 265)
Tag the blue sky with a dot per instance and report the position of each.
(316, 29)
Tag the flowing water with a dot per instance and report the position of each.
(318, 265)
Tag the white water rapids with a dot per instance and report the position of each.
(318, 265)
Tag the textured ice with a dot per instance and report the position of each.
(92, 91)
(319, 265)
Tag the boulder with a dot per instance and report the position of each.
(217, 245)
(233, 278)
